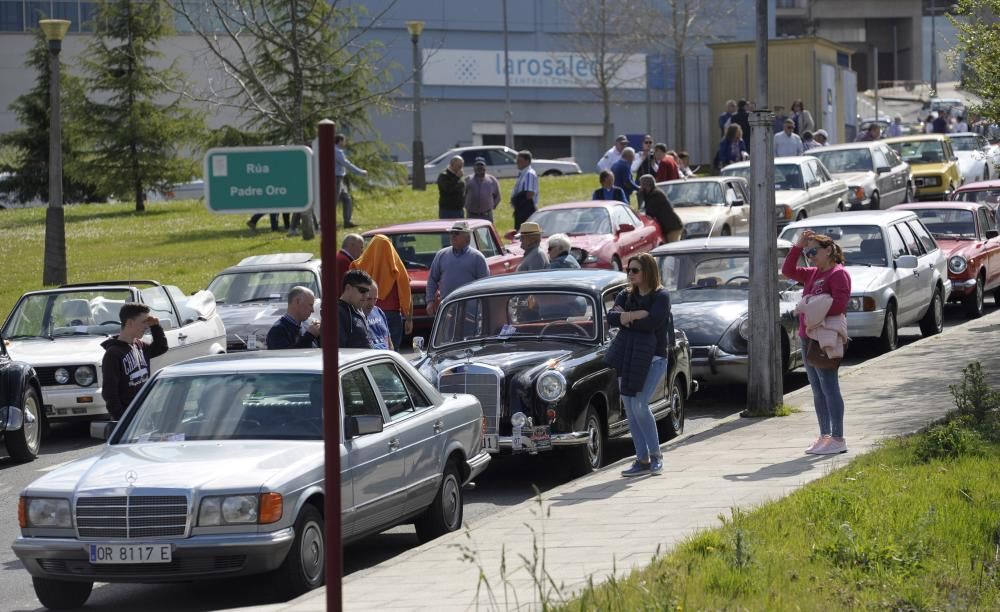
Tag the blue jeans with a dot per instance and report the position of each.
(827, 399)
(447, 213)
(395, 320)
(641, 423)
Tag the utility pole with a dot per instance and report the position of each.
(54, 264)
(764, 392)
(934, 59)
(419, 176)
(875, 73)
(508, 115)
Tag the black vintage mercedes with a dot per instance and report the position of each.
(530, 346)
(20, 407)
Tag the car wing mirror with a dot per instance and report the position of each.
(101, 430)
(906, 262)
(738, 202)
(626, 227)
(992, 233)
(883, 169)
(362, 425)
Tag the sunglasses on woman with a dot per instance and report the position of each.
(635, 270)
(811, 252)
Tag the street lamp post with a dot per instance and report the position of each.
(934, 60)
(54, 268)
(419, 177)
(508, 115)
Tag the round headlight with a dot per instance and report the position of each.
(518, 419)
(744, 329)
(957, 264)
(62, 376)
(239, 509)
(84, 376)
(855, 304)
(551, 386)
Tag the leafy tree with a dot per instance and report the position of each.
(289, 64)
(978, 25)
(28, 163)
(134, 138)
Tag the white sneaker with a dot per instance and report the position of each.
(818, 444)
(835, 446)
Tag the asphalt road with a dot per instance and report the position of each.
(508, 482)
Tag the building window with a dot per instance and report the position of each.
(67, 9)
(88, 15)
(37, 10)
(11, 16)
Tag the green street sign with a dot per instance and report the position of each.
(259, 179)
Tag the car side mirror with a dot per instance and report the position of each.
(626, 227)
(101, 430)
(906, 262)
(883, 169)
(510, 235)
(738, 202)
(362, 425)
(992, 233)
(954, 158)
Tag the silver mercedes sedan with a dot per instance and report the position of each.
(216, 470)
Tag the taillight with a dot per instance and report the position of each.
(551, 414)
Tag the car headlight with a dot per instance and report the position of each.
(518, 419)
(49, 512)
(744, 329)
(857, 193)
(229, 510)
(551, 386)
(697, 229)
(783, 212)
(419, 299)
(84, 376)
(861, 303)
(957, 264)
(582, 256)
(932, 181)
(62, 376)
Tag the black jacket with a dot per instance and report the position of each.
(451, 191)
(352, 327)
(659, 208)
(125, 368)
(632, 351)
(285, 335)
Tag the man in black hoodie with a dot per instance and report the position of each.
(126, 357)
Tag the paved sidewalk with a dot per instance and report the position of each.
(604, 522)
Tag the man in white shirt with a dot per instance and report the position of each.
(613, 154)
(787, 142)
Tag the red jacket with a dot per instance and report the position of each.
(667, 170)
(344, 260)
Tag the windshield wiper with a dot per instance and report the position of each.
(259, 299)
(414, 264)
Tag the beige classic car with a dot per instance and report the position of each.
(711, 206)
(803, 188)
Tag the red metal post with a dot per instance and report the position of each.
(331, 380)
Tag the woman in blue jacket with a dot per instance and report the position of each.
(732, 148)
(639, 354)
(608, 190)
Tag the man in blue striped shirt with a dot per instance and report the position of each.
(524, 197)
(454, 266)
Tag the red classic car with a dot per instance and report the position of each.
(982, 192)
(418, 242)
(603, 234)
(967, 233)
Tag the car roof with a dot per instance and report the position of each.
(991, 184)
(718, 243)
(301, 360)
(584, 204)
(949, 204)
(791, 159)
(915, 137)
(855, 217)
(702, 179)
(586, 281)
(433, 225)
(275, 261)
(953, 134)
(846, 145)
(85, 287)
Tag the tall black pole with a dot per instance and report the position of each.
(54, 267)
(333, 553)
(508, 115)
(419, 176)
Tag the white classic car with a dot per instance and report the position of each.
(60, 331)
(899, 276)
(802, 188)
(876, 176)
(978, 160)
(710, 206)
(500, 162)
(217, 470)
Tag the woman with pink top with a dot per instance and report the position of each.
(826, 276)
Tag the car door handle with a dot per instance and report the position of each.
(916, 273)
(182, 337)
(438, 426)
(393, 444)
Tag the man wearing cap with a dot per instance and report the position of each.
(613, 154)
(821, 138)
(531, 241)
(787, 142)
(873, 133)
(482, 192)
(524, 197)
(454, 266)
(451, 190)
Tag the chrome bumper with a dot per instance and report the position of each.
(195, 558)
(573, 438)
(865, 324)
(68, 401)
(477, 464)
(712, 364)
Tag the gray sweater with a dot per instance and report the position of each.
(534, 259)
(451, 269)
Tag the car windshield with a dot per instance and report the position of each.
(981, 196)
(573, 221)
(964, 143)
(920, 151)
(695, 193)
(786, 176)
(236, 406)
(863, 245)
(517, 315)
(417, 250)
(845, 160)
(67, 313)
(264, 286)
(707, 276)
(949, 223)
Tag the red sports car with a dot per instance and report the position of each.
(418, 242)
(603, 234)
(967, 233)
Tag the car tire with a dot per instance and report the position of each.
(672, 425)
(552, 173)
(933, 321)
(24, 443)
(445, 513)
(726, 231)
(589, 457)
(973, 304)
(61, 594)
(876, 201)
(889, 339)
(616, 264)
(304, 568)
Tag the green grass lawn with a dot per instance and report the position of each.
(885, 532)
(182, 243)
